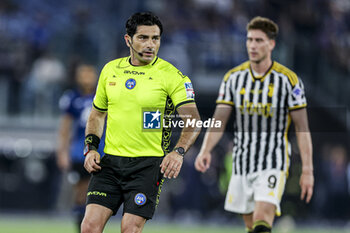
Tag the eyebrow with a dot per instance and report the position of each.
(148, 35)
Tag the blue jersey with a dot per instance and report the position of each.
(78, 106)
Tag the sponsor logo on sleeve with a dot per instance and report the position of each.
(189, 90)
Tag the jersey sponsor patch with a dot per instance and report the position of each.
(189, 90)
(130, 83)
(140, 199)
(151, 120)
(297, 92)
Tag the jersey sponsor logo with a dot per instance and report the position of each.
(112, 83)
(134, 72)
(189, 90)
(140, 199)
(151, 120)
(130, 83)
(260, 109)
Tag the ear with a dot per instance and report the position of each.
(127, 39)
(272, 44)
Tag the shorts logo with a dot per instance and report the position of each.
(130, 83)
(189, 90)
(151, 120)
(97, 193)
(140, 199)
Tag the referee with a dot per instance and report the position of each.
(265, 97)
(136, 93)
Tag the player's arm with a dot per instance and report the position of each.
(212, 137)
(172, 162)
(64, 137)
(94, 128)
(300, 121)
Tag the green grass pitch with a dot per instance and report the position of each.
(59, 225)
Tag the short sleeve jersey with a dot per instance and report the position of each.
(137, 99)
(261, 115)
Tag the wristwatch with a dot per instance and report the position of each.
(88, 148)
(180, 150)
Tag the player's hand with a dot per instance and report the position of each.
(203, 161)
(63, 161)
(171, 165)
(307, 185)
(92, 161)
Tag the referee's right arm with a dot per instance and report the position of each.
(95, 126)
(212, 137)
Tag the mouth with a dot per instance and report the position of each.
(148, 53)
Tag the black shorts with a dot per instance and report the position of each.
(136, 182)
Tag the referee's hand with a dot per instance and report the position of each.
(171, 165)
(92, 161)
(203, 161)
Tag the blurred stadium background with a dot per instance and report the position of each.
(42, 41)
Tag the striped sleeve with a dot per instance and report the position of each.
(225, 91)
(296, 97)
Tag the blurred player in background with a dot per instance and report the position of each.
(264, 96)
(136, 93)
(75, 106)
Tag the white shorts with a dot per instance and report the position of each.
(245, 190)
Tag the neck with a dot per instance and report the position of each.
(87, 91)
(134, 61)
(261, 67)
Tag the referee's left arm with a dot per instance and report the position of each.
(172, 162)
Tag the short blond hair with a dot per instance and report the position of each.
(264, 24)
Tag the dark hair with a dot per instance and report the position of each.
(264, 24)
(142, 18)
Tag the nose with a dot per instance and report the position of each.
(150, 43)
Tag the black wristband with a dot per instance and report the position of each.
(93, 140)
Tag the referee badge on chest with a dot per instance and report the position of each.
(130, 83)
(140, 199)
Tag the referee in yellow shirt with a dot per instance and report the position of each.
(136, 93)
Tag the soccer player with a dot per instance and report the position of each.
(136, 93)
(76, 105)
(263, 96)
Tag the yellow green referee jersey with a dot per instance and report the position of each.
(137, 100)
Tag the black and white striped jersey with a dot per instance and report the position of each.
(261, 115)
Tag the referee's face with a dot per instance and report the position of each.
(145, 44)
(259, 46)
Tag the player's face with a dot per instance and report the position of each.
(86, 77)
(146, 41)
(259, 46)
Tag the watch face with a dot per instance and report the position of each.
(180, 150)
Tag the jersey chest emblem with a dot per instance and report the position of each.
(271, 87)
(130, 83)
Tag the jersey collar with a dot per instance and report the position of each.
(261, 78)
(148, 65)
